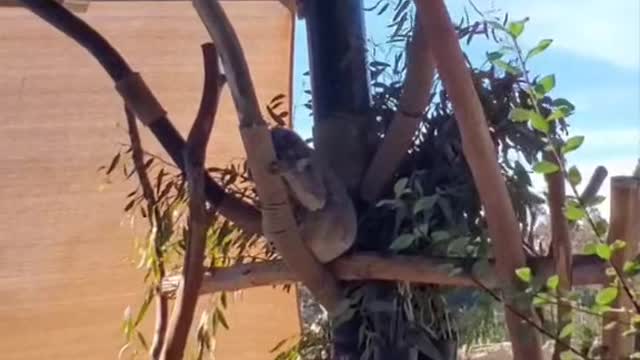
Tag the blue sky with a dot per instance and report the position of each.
(595, 57)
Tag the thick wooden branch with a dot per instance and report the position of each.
(242, 214)
(593, 186)
(624, 225)
(479, 152)
(586, 270)
(561, 248)
(194, 158)
(413, 101)
(278, 222)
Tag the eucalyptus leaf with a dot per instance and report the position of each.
(402, 242)
(524, 274)
(572, 144)
(542, 46)
(567, 330)
(574, 212)
(425, 203)
(603, 251)
(399, 187)
(539, 123)
(606, 296)
(520, 115)
(516, 28)
(574, 176)
(545, 167)
(553, 282)
(545, 85)
(506, 67)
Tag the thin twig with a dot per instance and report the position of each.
(526, 319)
(195, 153)
(156, 228)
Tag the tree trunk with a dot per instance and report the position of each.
(341, 104)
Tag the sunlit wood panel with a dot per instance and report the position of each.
(66, 270)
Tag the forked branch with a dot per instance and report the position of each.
(142, 102)
(278, 223)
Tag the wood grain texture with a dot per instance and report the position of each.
(61, 238)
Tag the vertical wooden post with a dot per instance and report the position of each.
(624, 225)
(479, 152)
(561, 248)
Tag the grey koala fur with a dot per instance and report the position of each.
(326, 215)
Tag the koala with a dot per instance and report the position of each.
(326, 215)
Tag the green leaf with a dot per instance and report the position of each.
(506, 67)
(425, 203)
(631, 268)
(542, 46)
(546, 84)
(222, 319)
(564, 105)
(516, 28)
(572, 144)
(574, 212)
(520, 114)
(553, 282)
(574, 176)
(590, 249)
(606, 296)
(494, 55)
(545, 167)
(440, 235)
(568, 355)
(524, 274)
(541, 299)
(603, 251)
(555, 115)
(567, 330)
(402, 242)
(399, 187)
(539, 123)
(618, 245)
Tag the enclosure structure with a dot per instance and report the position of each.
(66, 255)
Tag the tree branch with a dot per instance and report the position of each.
(587, 269)
(413, 101)
(194, 158)
(239, 212)
(155, 224)
(479, 152)
(278, 221)
(593, 186)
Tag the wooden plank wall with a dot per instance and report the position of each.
(66, 271)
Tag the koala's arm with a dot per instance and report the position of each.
(331, 231)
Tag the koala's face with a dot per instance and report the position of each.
(301, 173)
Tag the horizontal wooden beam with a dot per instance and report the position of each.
(586, 270)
